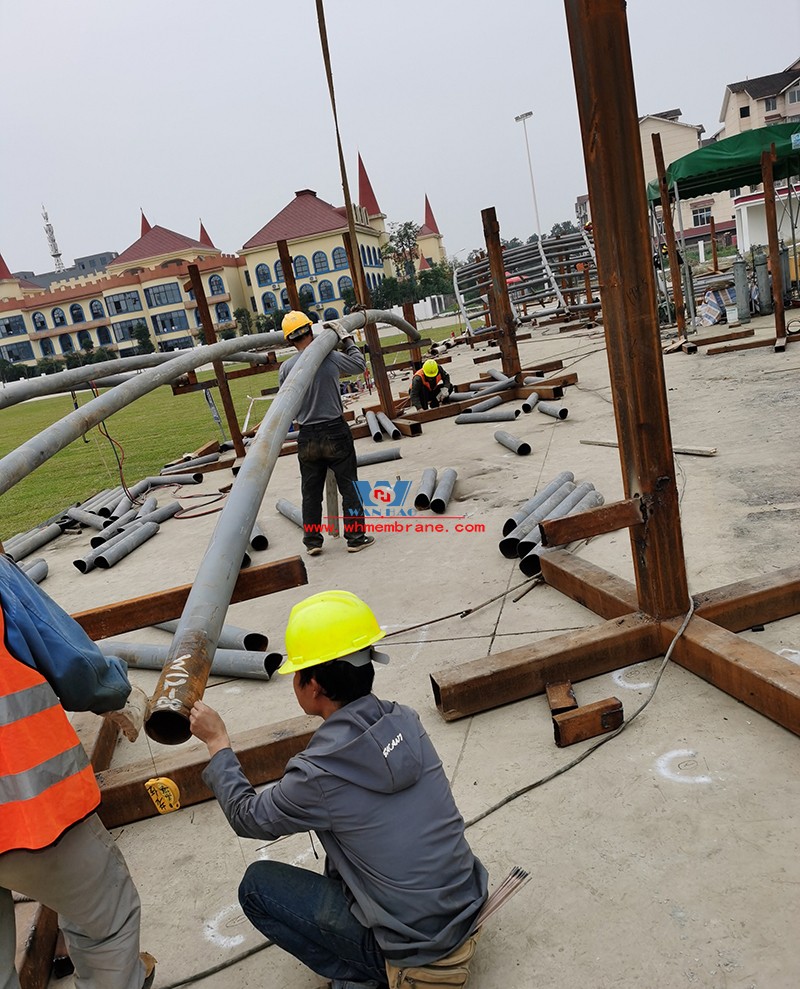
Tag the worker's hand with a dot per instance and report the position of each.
(208, 726)
(343, 334)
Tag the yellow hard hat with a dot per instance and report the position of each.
(294, 321)
(329, 625)
(430, 369)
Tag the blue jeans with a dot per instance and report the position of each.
(308, 915)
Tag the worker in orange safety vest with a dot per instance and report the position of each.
(430, 386)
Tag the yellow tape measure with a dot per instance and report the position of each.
(164, 793)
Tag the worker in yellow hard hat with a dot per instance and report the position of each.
(325, 441)
(430, 386)
(401, 892)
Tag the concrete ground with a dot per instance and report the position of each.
(669, 857)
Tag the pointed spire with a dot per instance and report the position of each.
(5, 274)
(430, 220)
(423, 262)
(146, 228)
(366, 197)
(204, 238)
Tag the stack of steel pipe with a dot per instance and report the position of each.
(509, 543)
(36, 569)
(530, 549)
(137, 534)
(184, 466)
(241, 663)
(100, 543)
(538, 499)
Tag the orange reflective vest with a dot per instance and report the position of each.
(46, 781)
(430, 383)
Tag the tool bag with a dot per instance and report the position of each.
(451, 972)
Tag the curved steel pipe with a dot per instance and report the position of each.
(86, 518)
(185, 672)
(444, 491)
(424, 493)
(231, 637)
(100, 543)
(512, 443)
(226, 662)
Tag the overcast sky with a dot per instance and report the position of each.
(221, 111)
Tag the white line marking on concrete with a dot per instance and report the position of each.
(679, 766)
(230, 916)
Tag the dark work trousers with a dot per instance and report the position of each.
(321, 447)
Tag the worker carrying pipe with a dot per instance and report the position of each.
(430, 386)
(325, 441)
(372, 786)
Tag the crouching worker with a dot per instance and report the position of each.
(430, 387)
(402, 889)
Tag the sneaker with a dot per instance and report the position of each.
(361, 544)
(149, 969)
(313, 550)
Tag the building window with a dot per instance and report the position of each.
(12, 326)
(39, 322)
(262, 275)
(84, 339)
(284, 299)
(339, 256)
(253, 305)
(278, 271)
(168, 322)
(22, 351)
(306, 294)
(247, 279)
(124, 302)
(104, 337)
(771, 103)
(330, 313)
(59, 319)
(66, 344)
(269, 302)
(734, 193)
(96, 309)
(76, 313)
(345, 282)
(198, 322)
(744, 111)
(124, 328)
(326, 290)
(701, 216)
(47, 348)
(793, 96)
(301, 266)
(320, 262)
(216, 286)
(223, 313)
(163, 295)
(363, 251)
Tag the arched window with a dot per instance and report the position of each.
(301, 266)
(320, 262)
(307, 295)
(216, 286)
(104, 336)
(85, 339)
(363, 256)
(197, 319)
(330, 314)
(262, 274)
(47, 348)
(59, 319)
(223, 313)
(66, 344)
(96, 309)
(39, 322)
(76, 313)
(377, 257)
(284, 299)
(339, 256)
(278, 271)
(326, 290)
(345, 282)
(269, 302)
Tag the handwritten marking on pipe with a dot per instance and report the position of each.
(176, 675)
(229, 917)
(680, 766)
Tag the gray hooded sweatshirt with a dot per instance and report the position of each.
(372, 787)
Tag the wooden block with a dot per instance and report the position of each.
(543, 368)
(588, 721)
(40, 943)
(561, 697)
(202, 451)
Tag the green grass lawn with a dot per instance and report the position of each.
(154, 430)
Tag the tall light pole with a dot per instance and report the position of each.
(524, 118)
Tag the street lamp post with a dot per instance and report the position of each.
(524, 117)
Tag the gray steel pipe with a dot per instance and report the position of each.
(424, 493)
(498, 375)
(444, 490)
(86, 518)
(490, 403)
(35, 569)
(531, 563)
(530, 403)
(387, 426)
(374, 427)
(148, 505)
(185, 672)
(508, 544)
(231, 637)
(564, 508)
(226, 662)
(33, 541)
(101, 498)
(100, 544)
(496, 386)
(551, 409)
(161, 514)
(493, 415)
(258, 538)
(512, 443)
(538, 499)
(290, 511)
(32, 454)
(189, 465)
(109, 555)
(114, 526)
(122, 507)
(367, 457)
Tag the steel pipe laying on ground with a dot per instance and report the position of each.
(387, 426)
(530, 403)
(33, 541)
(186, 669)
(550, 409)
(189, 465)
(444, 490)
(231, 637)
(531, 563)
(148, 505)
(367, 457)
(538, 499)
(36, 569)
(122, 507)
(493, 415)
(492, 387)
(134, 537)
(490, 403)
(100, 543)
(508, 544)
(566, 507)
(424, 493)
(86, 518)
(512, 443)
(258, 538)
(289, 511)
(226, 662)
(114, 526)
(374, 427)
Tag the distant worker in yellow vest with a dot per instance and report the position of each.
(430, 386)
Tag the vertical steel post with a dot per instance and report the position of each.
(506, 330)
(714, 257)
(669, 236)
(601, 60)
(767, 177)
(410, 317)
(288, 274)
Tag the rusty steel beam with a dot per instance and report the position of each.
(596, 521)
(768, 179)
(504, 315)
(589, 585)
(756, 601)
(515, 674)
(288, 274)
(415, 353)
(669, 236)
(603, 72)
(587, 721)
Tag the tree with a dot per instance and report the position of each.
(533, 239)
(402, 251)
(144, 345)
(243, 320)
(227, 334)
(436, 280)
(50, 365)
(565, 227)
(514, 242)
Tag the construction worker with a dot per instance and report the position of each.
(53, 847)
(401, 889)
(430, 386)
(325, 441)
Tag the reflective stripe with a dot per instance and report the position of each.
(23, 703)
(25, 786)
